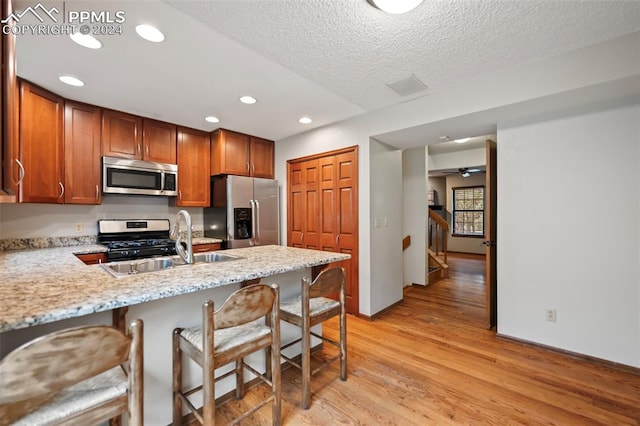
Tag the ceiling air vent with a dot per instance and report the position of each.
(407, 86)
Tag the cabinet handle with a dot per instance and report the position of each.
(179, 195)
(20, 173)
(146, 148)
(302, 237)
(61, 189)
(253, 168)
(97, 192)
(337, 238)
(248, 169)
(139, 149)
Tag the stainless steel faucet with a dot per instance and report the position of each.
(176, 232)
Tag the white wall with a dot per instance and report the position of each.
(463, 244)
(569, 185)
(439, 184)
(386, 225)
(58, 220)
(455, 160)
(414, 175)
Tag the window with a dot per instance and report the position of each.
(468, 211)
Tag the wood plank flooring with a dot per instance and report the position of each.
(429, 361)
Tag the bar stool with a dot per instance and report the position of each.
(232, 332)
(81, 375)
(314, 307)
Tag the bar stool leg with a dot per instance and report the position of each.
(177, 378)
(343, 345)
(239, 379)
(306, 362)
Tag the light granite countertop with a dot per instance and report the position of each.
(44, 285)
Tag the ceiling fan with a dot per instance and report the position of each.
(465, 172)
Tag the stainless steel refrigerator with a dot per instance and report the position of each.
(244, 211)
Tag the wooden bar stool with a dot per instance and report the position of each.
(232, 332)
(82, 375)
(314, 307)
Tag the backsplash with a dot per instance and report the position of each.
(60, 223)
(48, 242)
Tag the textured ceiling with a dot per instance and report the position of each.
(352, 49)
(329, 59)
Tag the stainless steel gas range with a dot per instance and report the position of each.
(130, 239)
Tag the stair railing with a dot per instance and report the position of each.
(438, 234)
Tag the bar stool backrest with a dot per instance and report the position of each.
(244, 305)
(35, 372)
(328, 282)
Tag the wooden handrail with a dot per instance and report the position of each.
(439, 220)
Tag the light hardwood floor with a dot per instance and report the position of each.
(429, 361)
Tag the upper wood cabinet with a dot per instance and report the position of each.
(129, 136)
(235, 153)
(193, 168)
(9, 117)
(158, 141)
(121, 134)
(262, 158)
(82, 166)
(41, 145)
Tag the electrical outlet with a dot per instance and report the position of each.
(376, 222)
(79, 227)
(550, 315)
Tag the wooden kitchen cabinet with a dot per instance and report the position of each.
(41, 145)
(238, 154)
(92, 258)
(199, 248)
(159, 141)
(193, 168)
(82, 165)
(262, 158)
(9, 119)
(121, 135)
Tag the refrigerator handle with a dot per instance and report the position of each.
(253, 222)
(256, 235)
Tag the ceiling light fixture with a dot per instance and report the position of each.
(463, 140)
(150, 33)
(395, 7)
(305, 120)
(465, 174)
(72, 81)
(86, 40)
(212, 119)
(248, 100)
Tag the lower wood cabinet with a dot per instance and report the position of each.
(199, 248)
(92, 258)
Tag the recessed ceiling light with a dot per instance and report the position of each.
(150, 33)
(463, 140)
(248, 100)
(212, 119)
(86, 40)
(395, 6)
(305, 120)
(72, 81)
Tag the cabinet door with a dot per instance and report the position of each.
(121, 135)
(193, 168)
(230, 153)
(262, 158)
(41, 145)
(303, 205)
(159, 141)
(82, 166)
(10, 113)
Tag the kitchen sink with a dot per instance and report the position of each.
(124, 268)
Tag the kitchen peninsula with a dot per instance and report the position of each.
(51, 288)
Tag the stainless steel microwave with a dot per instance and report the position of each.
(123, 176)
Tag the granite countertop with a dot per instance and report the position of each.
(205, 240)
(44, 285)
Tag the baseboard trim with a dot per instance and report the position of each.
(592, 359)
(377, 314)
